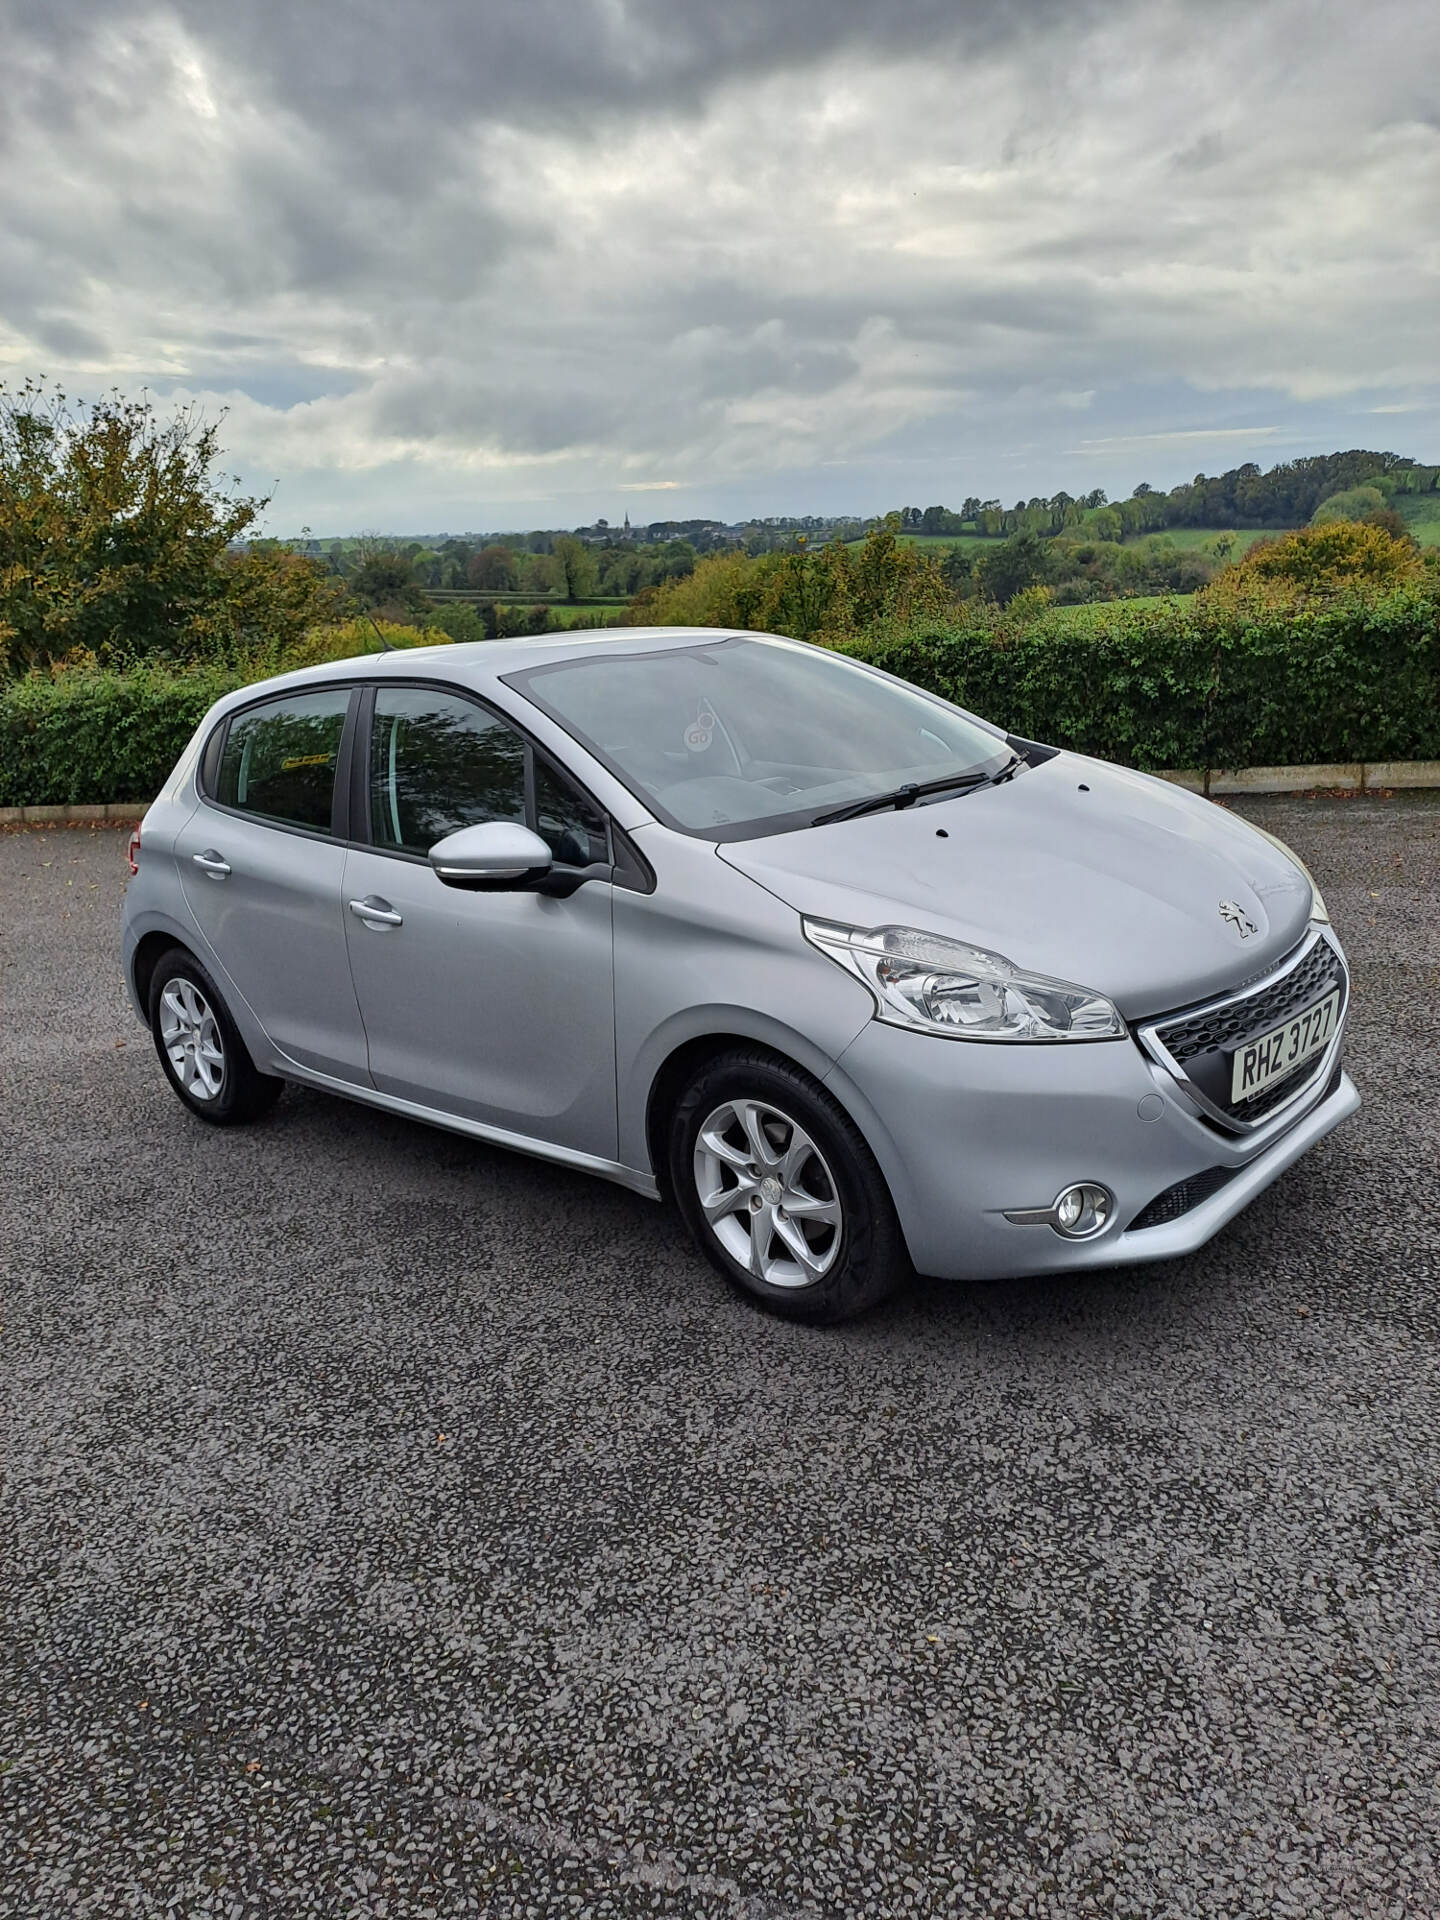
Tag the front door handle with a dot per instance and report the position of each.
(376, 912)
(214, 863)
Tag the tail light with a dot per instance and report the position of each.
(132, 852)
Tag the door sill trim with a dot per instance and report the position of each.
(642, 1183)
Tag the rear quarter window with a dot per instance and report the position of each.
(278, 760)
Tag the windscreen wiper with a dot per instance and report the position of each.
(1008, 772)
(906, 796)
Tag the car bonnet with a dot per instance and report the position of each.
(1074, 868)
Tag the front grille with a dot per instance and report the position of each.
(1231, 1024)
(1180, 1198)
(1200, 1044)
(1253, 1109)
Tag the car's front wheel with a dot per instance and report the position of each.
(204, 1058)
(780, 1191)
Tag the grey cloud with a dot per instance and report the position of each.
(1207, 151)
(67, 339)
(535, 249)
(551, 58)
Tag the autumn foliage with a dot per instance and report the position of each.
(118, 541)
(1316, 563)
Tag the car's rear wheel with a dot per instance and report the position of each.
(780, 1191)
(204, 1058)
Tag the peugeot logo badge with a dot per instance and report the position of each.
(1241, 922)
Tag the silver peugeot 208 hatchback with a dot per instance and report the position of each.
(860, 980)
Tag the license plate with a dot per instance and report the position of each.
(1260, 1063)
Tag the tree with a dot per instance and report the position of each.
(383, 576)
(118, 539)
(493, 569)
(1107, 524)
(1355, 503)
(426, 567)
(577, 564)
(1005, 571)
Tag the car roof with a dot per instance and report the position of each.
(480, 663)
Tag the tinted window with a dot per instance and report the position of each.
(572, 827)
(279, 758)
(438, 763)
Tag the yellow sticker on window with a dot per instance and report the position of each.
(307, 760)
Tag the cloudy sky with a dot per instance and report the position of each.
(482, 263)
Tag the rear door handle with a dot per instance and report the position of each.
(214, 864)
(376, 912)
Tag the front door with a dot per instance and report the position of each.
(495, 1006)
(263, 875)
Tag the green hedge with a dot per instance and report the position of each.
(1180, 685)
(94, 735)
(1175, 685)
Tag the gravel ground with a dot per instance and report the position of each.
(398, 1527)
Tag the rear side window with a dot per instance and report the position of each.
(438, 763)
(278, 761)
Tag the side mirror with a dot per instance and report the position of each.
(497, 854)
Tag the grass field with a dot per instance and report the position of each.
(1190, 539)
(1202, 539)
(562, 616)
(1421, 514)
(475, 596)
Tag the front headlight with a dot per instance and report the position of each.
(1318, 910)
(925, 981)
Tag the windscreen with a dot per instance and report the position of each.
(738, 737)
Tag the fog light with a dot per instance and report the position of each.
(1078, 1212)
(1082, 1210)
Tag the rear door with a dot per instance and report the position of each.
(496, 1006)
(262, 863)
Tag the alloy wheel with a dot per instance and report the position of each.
(190, 1035)
(767, 1193)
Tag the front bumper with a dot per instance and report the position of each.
(965, 1132)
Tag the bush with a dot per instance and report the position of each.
(1182, 684)
(1196, 685)
(1318, 562)
(99, 735)
(832, 593)
(725, 590)
(88, 733)
(337, 640)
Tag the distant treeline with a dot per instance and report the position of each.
(1245, 497)
(1079, 547)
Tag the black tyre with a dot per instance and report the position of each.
(204, 1058)
(780, 1191)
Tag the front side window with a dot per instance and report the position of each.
(439, 762)
(278, 761)
(571, 826)
(736, 737)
